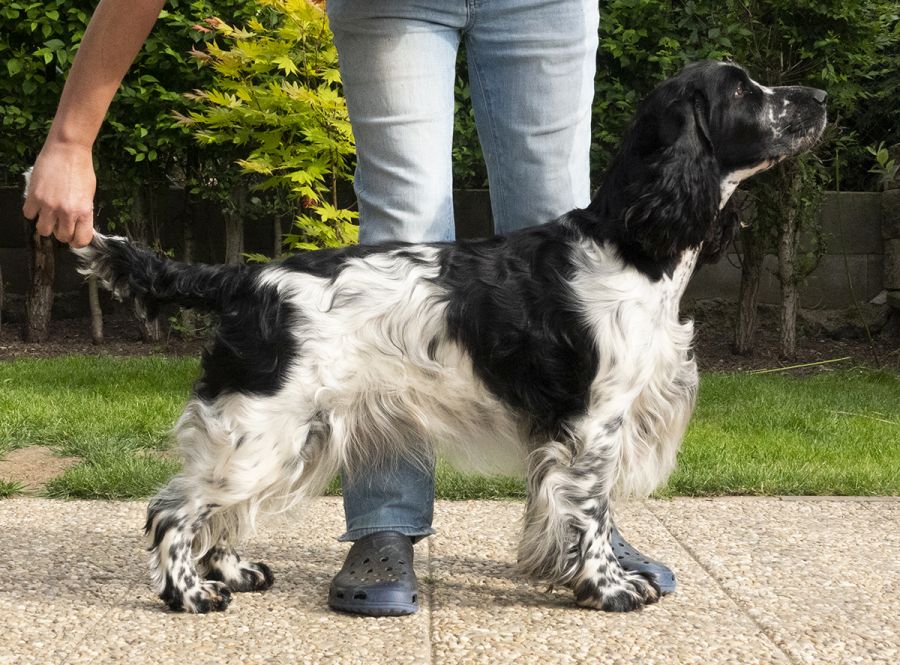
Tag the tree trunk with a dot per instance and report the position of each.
(149, 329)
(788, 246)
(787, 257)
(276, 236)
(96, 312)
(234, 224)
(39, 299)
(188, 316)
(752, 256)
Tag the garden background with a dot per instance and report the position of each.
(229, 141)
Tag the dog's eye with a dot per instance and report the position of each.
(740, 91)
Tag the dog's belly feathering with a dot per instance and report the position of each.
(378, 365)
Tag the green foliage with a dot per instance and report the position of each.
(469, 171)
(10, 488)
(37, 44)
(851, 49)
(276, 96)
(643, 42)
(885, 168)
(142, 144)
(114, 473)
(842, 47)
(283, 59)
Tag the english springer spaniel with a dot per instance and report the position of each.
(558, 349)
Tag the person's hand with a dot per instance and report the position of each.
(61, 193)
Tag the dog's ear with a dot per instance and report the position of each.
(701, 115)
(675, 197)
(721, 234)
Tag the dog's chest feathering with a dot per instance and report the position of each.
(647, 378)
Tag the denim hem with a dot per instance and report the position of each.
(416, 533)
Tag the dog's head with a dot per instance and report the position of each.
(695, 137)
(752, 127)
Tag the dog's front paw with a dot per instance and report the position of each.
(630, 593)
(209, 596)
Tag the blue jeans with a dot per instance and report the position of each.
(531, 72)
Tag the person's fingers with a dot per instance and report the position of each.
(84, 231)
(46, 223)
(30, 209)
(65, 227)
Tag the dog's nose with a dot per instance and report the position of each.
(819, 95)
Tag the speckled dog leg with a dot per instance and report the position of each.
(172, 523)
(222, 563)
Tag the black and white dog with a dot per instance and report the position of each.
(558, 348)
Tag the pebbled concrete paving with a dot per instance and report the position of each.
(760, 581)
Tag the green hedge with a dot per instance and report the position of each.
(849, 48)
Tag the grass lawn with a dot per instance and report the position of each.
(836, 432)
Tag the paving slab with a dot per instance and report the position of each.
(760, 581)
(820, 577)
(84, 571)
(483, 613)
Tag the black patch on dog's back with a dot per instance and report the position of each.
(253, 346)
(511, 308)
(328, 263)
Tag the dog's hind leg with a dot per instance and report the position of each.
(567, 529)
(174, 517)
(239, 460)
(222, 563)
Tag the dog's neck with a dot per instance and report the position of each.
(683, 271)
(655, 208)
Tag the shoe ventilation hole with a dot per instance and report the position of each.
(365, 561)
(384, 558)
(359, 596)
(388, 569)
(400, 562)
(415, 597)
(369, 570)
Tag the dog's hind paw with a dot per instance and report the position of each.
(244, 576)
(626, 595)
(210, 596)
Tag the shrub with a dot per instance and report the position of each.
(276, 95)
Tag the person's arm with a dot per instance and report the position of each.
(61, 191)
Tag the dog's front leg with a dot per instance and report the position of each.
(601, 582)
(568, 524)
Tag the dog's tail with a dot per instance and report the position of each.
(132, 272)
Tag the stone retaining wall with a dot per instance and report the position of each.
(890, 230)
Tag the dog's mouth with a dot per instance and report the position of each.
(803, 128)
(804, 133)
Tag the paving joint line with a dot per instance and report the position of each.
(432, 655)
(96, 623)
(735, 601)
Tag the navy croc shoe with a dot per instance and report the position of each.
(377, 578)
(631, 559)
